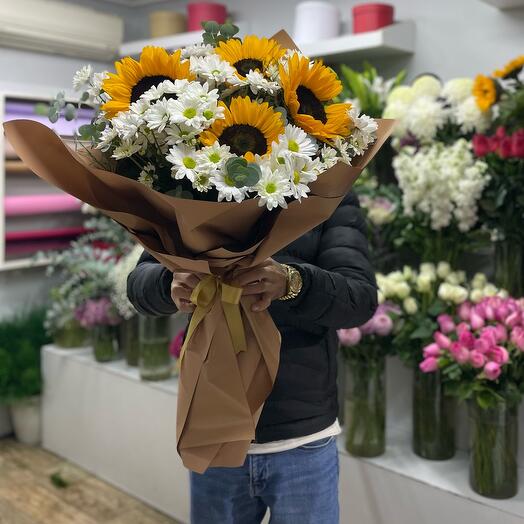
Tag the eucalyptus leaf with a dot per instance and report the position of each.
(70, 112)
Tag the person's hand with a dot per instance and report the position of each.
(267, 280)
(181, 288)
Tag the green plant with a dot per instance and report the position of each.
(21, 338)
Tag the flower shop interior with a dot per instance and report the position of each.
(429, 388)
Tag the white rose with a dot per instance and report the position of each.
(380, 297)
(453, 278)
(426, 85)
(443, 269)
(428, 268)
(407, 272)
(476, 295)
(402, 94)
(490, 290)
(410, 305)
(479, 281)
(445, 291)
(397, 276)
(402, 290)
(459, 294)
(424, 283)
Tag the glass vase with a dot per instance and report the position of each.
(105, 343)
(509, 267)
(365, 407)
(155, 362)
(129, 341)
(493, 469)
(71, 335)
(434, 415)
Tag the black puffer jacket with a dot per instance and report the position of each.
(339, 291)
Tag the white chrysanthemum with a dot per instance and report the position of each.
(202, 182)
(226, 188)
(82, 77)
(158, 115)
(470, 118)
(425, 116)
(401, 94)
(184, 162)
(397, 110)
(272, 188)
(148, 175)
(426, 85)
(345, 150)
(295, 142)
(197, 50)
(257, 82)
(107, 137)
(187, 110)
(95, 84)
(127, 124)
(140, 107)
(125, 150)
(165, 88)
(178, 133)
(302, 171)
(457, 90)
(329, 156)
(212, 158)
(212, 68)
(364, 130)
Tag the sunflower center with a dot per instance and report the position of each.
(248, 64)
(243, 138)
(146, 83)
(310, 104)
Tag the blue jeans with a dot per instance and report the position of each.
(299, 486)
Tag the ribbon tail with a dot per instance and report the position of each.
(236, 326)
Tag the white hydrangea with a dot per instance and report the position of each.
(425, 117)
(470, 118)
(442, 182)
(457, 90)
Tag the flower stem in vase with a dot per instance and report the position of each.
(105, 343)
(155, 361)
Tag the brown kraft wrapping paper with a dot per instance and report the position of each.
(221, 393)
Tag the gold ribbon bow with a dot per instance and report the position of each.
(204, 296)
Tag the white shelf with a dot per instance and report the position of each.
(396, 39)
(22, 263)
(133, 48)
(505, 4)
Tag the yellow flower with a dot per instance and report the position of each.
(133, 78)
(252, 53)
(248, 128)
(511, 67)
(485, 92)
(306, 89)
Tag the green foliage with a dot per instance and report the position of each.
(215, 33)
(512, 110)
(242, 172)
(58, 481)
(21, 338)
(368, 87)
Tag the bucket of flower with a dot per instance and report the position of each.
(213, 157)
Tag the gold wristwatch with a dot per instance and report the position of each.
(294, 283)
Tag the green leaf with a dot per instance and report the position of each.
(210, 26)
(228, 30)
(53, 115)
(85, 96)
(86, 131)
(70, 112)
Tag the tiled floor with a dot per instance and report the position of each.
(28, 496)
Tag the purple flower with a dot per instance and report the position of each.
(97, 312)
(349, 337)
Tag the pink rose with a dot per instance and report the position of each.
(481, 345)
(500, 132)
(467, 339)
(502, 334)
(513, 319)
(481, 145)
(431, 350)
(476, 320)
(498, 354)
(429, 365)
(382, 325)
(517, 144)
(490, 335)
(494, 143)
(349, 337)
(489, 312)
(464, 311)
(492, 371)
(368, 328)
(462, 327)
(459, 352)
(477, 359)
(502, 312)
(506, 147)
(517, 337)
(442, 340)
(446, 323)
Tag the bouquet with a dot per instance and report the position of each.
(502, 149)
(209, 154)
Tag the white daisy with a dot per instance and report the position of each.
(202, 182)
(158, 115)
(127, 124)
(95, 85)
(106, 139)
(295, 142)
(82, 77)
(302, 172)
(177, 133)
(125, 150)
(212, 68)
(167, 87)
(364, 130)
(197, 50)
(147, 175)
(226, 188)
(140, 107)
(187, 110)
(345, 150)
(272, 188)
(329, 156)
(184, 162)
(212, 158)
(257, 82)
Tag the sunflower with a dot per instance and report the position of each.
(248, 128)
(252, 53)
(133, 78)
(306, 89)
(514, 66)
(485, 92)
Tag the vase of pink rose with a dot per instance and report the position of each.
(100, 318)
(482, 361)
(365, 349)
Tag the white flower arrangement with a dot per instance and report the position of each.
(427, 106)
(443, 182)
(235, 118)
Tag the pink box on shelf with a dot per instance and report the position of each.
(40, 204)
(42, 234)
(370, 17)
(198, 12)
